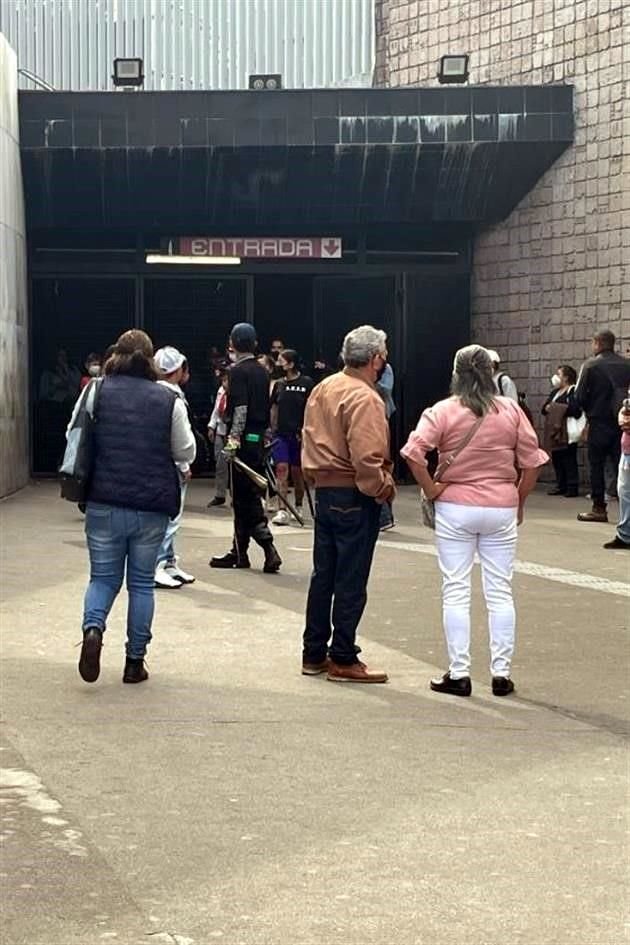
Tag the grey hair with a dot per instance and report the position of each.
(361, 344)
(473, 380)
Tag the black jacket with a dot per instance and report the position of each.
(568, 398)
(602, 385)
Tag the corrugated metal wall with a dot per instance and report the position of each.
(192, 44)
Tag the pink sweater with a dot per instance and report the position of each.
(485, 473)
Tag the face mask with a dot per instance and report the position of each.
(232, 356)
(275, 354)
(94, 370)
(556, 380)
(381, 370)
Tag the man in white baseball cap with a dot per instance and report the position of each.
(502, 381)
(171, 366)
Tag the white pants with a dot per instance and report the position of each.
(462, 530)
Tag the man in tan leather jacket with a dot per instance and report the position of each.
(346, 456)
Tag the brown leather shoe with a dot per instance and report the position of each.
(597, 514)
(315, 669)
(355, 672)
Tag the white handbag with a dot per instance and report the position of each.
(575, 428)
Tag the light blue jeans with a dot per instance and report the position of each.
(167, 548)
(623, 488)
(117, 537)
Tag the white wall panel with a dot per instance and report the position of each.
(14, 398)
(192, 44)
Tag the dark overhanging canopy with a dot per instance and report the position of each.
(186, 161)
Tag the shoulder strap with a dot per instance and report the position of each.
(448, 462)
(92, 395)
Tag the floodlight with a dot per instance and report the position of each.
(453, 70)
(128, 72)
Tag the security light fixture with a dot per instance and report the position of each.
(453, 70)
(265, 83)
(128, 72)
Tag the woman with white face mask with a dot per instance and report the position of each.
(557, 408)
(93, 368)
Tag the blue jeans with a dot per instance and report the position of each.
(346, 529)
(115, 537)
(387, 515)
(623, 488)
(167, 548)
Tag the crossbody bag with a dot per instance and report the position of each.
(428, 505)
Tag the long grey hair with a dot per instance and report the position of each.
(473, 379)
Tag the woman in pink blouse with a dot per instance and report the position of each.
(478, 504)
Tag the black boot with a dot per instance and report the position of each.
(263, 537)
(236, 556)
(135, 671)
(230, 560)
(90, 659)
(273, 561)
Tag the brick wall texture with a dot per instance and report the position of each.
(559, 267)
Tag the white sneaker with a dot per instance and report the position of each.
(174, 571)
(281, 518)
(165, 580)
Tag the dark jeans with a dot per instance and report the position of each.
(250, 520)
(566, 468)
(603, 441)
(346, 529)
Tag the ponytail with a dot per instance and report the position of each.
(473, 381)
(132, 355)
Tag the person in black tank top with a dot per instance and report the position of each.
(288, 403)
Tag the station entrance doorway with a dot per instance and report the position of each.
(73, 316)
(312, 314)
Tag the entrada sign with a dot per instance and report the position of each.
(262, 247)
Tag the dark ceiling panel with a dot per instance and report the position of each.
(192, 160)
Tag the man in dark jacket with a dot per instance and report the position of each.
(600, 390)
(247, 418)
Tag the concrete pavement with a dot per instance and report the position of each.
(230, 799)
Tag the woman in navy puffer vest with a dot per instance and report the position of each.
(141, 431)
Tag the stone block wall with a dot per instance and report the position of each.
(559, 267)
(14, 407)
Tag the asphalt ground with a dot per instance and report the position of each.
(229, 799)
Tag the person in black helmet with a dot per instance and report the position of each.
(247, 417)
